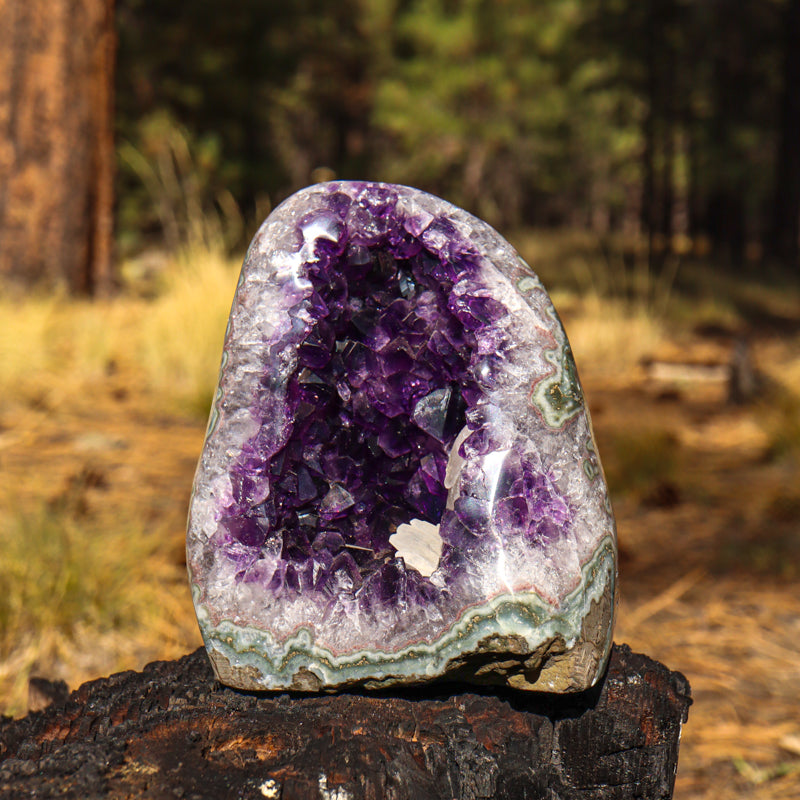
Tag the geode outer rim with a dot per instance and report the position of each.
(259, 664)
(225, 632)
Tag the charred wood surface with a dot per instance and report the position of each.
(173, 731)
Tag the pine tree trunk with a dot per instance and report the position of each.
(56, 143)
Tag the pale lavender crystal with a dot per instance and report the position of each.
(399, 481)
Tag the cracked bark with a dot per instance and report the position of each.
(57, 144)
(173, 731)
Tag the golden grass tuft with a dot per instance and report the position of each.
(607, 335)
(88, 590)
(55, 348)
(180, 343)
(71, 584)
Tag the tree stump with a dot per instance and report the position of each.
(173, 731)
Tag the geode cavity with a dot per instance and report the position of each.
(399, 481)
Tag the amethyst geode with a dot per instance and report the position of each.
(399, 481)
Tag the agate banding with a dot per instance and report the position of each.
(399, 481)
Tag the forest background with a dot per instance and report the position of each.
(643, 156)
(674, 118)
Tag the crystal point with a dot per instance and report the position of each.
(399, 481)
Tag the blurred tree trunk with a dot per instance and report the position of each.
(669, 128)
(659, 128)
(728, 177)
(56, 143)
(696, 223)
(649, 214)
(786, 212)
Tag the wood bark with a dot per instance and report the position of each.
(56, 143)
(173, 731)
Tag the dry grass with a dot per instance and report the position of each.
(738, 645)
(54, 349)
(180, 344)
(608, 334)
(101, 401)
(102, 420)
(81, 599)
(711, 570)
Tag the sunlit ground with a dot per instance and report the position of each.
(102, 417)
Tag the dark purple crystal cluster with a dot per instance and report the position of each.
(398, 344)
(399, 475)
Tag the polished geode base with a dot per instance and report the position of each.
(399, 481)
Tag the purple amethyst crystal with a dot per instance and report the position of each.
(399, 481)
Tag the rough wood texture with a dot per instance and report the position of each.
(172, 731)
(57, 143)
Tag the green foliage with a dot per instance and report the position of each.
(183, 195)
(475, 107)
(621, 117)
